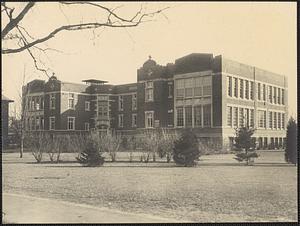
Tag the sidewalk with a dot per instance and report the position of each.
(26, 209)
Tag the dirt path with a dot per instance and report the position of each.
(27, 209)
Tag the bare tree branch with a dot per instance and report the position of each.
(14, 21)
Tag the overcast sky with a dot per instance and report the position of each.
(259, 34)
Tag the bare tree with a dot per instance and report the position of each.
(16, 38)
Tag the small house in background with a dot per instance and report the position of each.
(4, 119)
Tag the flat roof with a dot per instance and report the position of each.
(94, 81)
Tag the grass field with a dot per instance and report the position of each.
(219, 189)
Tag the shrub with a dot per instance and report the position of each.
(291, 142)
(186, 150)
(244, 145)
(90, 155)
(166, 144)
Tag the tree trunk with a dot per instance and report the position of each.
(22, 147)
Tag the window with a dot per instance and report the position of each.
(206, 115)
(149, 119)
(279, 121)
(188, 116)
(71, 101)
(134, 120)
(207, 85)
(258, 91)
(86, 126)
(197, 116)
(71, 123)
(261, 119)
(149, 91)
(275, 120)
(38, 103)
(42, 103)
(270, 94)
(102, 97)
(270, 119)
(51, 123)
(37, 123)
(247, 89)
(241, 117)
(121, 120)
(180, 88)
(282, 97)
(264, 92)
(235, 87)
(33, 123)
(170, 117)
(242, 88)
(42, 122)
(283, 120)
(134, 102)
(229, 116)
(120, 103)
(251, 90)
(274, 95)
(179, 116)
(198, 86)
(170, 91)
(188, 87)
(52, 101)
(87, 105)
(235, 116)
(247, 117)
(278, 96)
(229, 86)
(206, 90)
(102, 111)
(251, 118)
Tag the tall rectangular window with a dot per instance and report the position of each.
(235, 116)
(247, 89)
(229, 116)
(242, 88)
(149, 119)
(258, 91)
(264, 92)
(247, 117)
(198, 86)
(283, 120)
(229, 86)
(251, 90)
(71, 123)
(179, 84)
(274, 95)
(206, 85)
(261, 119)
(52, 123)
(279, 120)
(87, 105)
(270, 94)
(52, 101)
(282, 97)
(270, 119)
(71, 101)
(188, 87)
(134, 102)
(170, 91)
(188, 116)
(251, 117)
(241, 117)
(207, 115)
(278, 96)
(37, 123)
(149, 91)
(275, 120)
(86, 126)
(197, 116)
(235, 87)
(179, 116)
(134, 120)
(121, 107)
(120, 121)
(42, 122)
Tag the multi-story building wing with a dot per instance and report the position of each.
(210, 95)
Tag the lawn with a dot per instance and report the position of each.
(219, 189)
